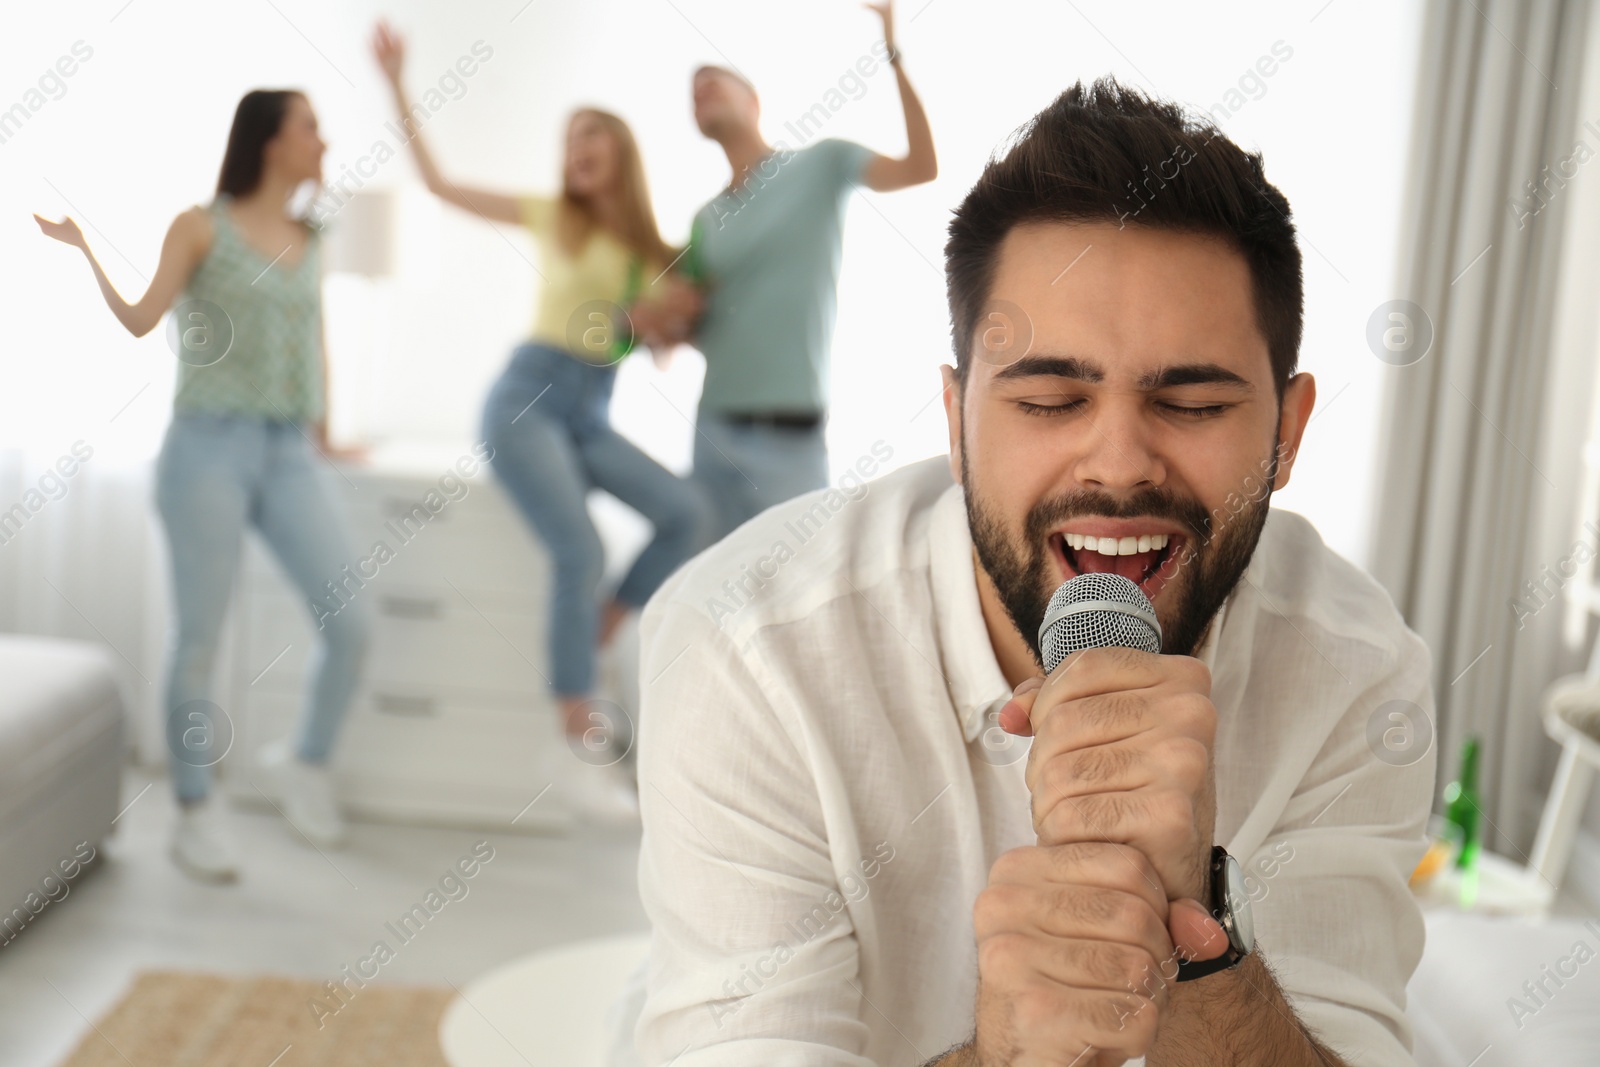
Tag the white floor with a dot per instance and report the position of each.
(294, 912)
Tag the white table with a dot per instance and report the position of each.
(1504, 888)
(544, 1010)
(1460, 1000)
(1472, 972)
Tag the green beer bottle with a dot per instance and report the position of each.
(1461, 807)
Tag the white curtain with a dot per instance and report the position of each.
(1483, 483)
(82, 556)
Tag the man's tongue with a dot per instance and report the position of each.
(1132, 567)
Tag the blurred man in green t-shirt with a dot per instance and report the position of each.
(766, 251)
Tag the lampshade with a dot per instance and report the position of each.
(360, 235)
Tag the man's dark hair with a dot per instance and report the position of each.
(1109, 153)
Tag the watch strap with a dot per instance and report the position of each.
(1189, 970)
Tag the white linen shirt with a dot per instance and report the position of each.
(824, 785)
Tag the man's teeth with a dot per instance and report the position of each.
(1112, 546)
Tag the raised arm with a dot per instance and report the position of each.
(185, 246)
(389, 50)
(883, 173)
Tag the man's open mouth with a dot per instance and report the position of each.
(1147, 557)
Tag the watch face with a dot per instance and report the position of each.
(1243, 934)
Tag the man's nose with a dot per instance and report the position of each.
(1117, 451)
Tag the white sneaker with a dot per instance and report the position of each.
(602, 795)
(304, 792)
(202, 847)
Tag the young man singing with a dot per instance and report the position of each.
(876, 833)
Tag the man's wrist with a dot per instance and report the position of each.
(960, 1056)
(1224, 901)
(1247, 1003)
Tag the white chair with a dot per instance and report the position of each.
(1572, 719)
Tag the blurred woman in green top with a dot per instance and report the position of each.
(547, 419)
(247, 330)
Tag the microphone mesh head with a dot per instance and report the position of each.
(1098, 610)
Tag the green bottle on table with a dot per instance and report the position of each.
(1462, 812)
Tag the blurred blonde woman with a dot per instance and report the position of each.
(547, 419)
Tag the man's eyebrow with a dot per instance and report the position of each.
(1047, 366)
(1193, 374)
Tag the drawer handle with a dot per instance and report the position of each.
(397, 704)
(411, 607)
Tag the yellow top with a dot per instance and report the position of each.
(575, 300)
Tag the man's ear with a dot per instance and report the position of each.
(952, 417)
(1299, 399)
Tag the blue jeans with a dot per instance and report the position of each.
(547, 421)
(747, 469)
(215, 474)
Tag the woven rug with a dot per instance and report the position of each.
(185, 1019)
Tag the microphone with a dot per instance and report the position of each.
(1097, 610)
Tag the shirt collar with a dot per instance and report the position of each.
(972, 672)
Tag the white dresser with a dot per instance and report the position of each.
(453, 722)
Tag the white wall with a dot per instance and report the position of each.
(138, 134)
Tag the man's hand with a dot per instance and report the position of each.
(885, 11)
(1122, 752)
(669, 314)
(1076, 953)
(389, 49)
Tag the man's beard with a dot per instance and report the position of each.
(1214, 559)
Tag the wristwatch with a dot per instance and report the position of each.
(1230, 906)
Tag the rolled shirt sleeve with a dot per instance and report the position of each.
(1335, 918)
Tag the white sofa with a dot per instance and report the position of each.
(61, 747)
